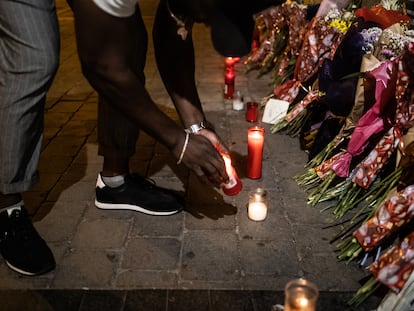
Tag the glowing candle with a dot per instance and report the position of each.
(234, 185)
(255, 141)
(300, 295)
(229, 77)
(257, 208)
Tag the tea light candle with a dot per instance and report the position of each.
(257, 208)
(255, 141)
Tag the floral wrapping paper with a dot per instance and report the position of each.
(370, 123)
(394, 267)
(288, 91)
(268, 24)
(319, 43)
(393, 213)
(368, 169)
(297, 24)
(301, 106)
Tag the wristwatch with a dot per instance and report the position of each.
(195, 128)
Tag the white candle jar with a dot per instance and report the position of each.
(257, 208)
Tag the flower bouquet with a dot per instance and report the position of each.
(324, 35)
(392, 269)
(271, 32)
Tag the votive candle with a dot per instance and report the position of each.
(255, 142)
(252, 111)
(300, 295)
(234, 185)
(257, 208)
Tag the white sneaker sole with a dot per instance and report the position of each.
(109, 206)
(22, 271)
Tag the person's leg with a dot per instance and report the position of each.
(104, 42)
(29, 56)
(112, 51)
(117, 134)
(29, 50)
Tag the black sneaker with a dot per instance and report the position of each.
(138, 194)
(22, 248)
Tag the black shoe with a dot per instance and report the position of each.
(22, 248)
(138, 194)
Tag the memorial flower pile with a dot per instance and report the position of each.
(351, 102)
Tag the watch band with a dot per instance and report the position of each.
(195, 128)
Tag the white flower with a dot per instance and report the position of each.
(391, 4)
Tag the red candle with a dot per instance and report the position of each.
(229, 77)
(230, 61)
(229, 84)
(255, 141)
(234, 185)
(252, 111)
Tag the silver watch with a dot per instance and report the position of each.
(195, 128)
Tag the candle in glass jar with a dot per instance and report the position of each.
(257, 208)
(252, 111)
(229, 77)
(300, 295)
(229, 84)
(234, 185)
(255, 142)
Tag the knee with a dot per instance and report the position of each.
(100, 74)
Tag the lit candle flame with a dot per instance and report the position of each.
(303, 302)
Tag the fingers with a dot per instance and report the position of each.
(204, 160)
(215, 140)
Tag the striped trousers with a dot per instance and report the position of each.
(29, 57)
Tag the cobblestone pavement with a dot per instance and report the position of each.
(209, 257)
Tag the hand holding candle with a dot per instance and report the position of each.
(255, 142)
(234, 185)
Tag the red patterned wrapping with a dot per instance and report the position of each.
(381, 16)
(287, 91)
(390, 216)
(403, 94)
(320, 42)
(297, 23)
(267, 26)
(367, 170)
(395, 266)
(301, 106)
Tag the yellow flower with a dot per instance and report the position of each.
(341, 25)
